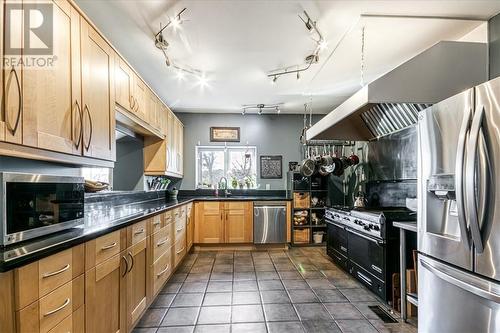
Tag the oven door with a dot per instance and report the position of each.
(336, 240)
(367, 252)
(36, 205)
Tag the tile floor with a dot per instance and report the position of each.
(299, 290)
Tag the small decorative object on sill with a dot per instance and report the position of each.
(173, 193)
(93, 186)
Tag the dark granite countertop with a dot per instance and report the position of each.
(102, 217)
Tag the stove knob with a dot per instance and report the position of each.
(366, 227)
(376, 227)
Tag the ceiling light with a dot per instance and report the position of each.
(180, 75)
(202, 80)
(260, 110)
(176, 22)
(298, 76)
(278, 110)
(273, 81)
(244, 111)
(323, 44)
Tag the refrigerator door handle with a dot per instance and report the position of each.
(471, 180)
(459, 178)
(466, 281)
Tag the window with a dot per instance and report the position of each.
(237, 164)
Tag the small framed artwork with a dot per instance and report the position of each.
(271, 166)
(224, 134)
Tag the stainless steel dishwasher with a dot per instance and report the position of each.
(269, 222)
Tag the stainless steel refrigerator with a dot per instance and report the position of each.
(459, 213)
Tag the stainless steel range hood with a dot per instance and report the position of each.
(392, 101)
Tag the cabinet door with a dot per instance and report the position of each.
(51, 99)
(124, 84)
(11, 117)
(97, 95)
(238, 224)
(152, 110)
(141, 99)
(136, 282)
(189, 226)
(105, 296)
(209, 227)
(2, 116)
(170, 142)
(179, 142)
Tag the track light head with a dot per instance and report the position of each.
(260, 111)
(278, 110)
(298, 76)
(275, 78)
(243, 112)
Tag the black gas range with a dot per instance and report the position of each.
(364, 243)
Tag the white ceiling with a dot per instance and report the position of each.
(237, 42)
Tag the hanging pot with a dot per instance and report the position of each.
(338, 169)
(307, 167)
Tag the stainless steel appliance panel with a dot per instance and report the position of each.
(269, 222)
(442, 229)
(454, 301)
(485, 191)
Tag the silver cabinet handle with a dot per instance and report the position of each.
(160, 243)
(65, 268)
(126, 266)
(163, 271)
(470, 174)
(343, 248)
(156, 222)
(377, 269)
(132, 260)
(378, 242)
(91, 134)
(80, 115)
(364, 278)
(14, 128)
(65, 304)
(459, 179)
(110, 246)
(138, 232)
(179, 251)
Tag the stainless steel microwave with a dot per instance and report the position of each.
(34, 205)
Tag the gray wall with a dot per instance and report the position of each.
(128, 171)
(271, 134)
(494, 46)
(13, 164)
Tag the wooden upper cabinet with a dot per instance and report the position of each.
(141, 96)
(238, 222)
(11, 117)
(209, 226)
(124, 84)
(2, 116)
(153, 110)
(179, 142)
(97, 95)
(52, 104)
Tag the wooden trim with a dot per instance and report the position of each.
(15, 150)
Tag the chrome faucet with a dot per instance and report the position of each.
(226, 192)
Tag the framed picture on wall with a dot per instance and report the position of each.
(224, 134)
(271, 166)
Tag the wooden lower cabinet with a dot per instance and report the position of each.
(238, 222)
(105, 296)
(223, 222)
(136, 282)
(209, 226)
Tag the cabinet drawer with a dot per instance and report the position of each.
(44, 276)
(179, 250)
(65, 326)
(107, 246)
(168, 217)
(162, 269)
(60, 303)
(156, 223)
(179, 229)
(55, 271)
(161, 242)
(137, 232)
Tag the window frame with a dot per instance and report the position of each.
(226, 150)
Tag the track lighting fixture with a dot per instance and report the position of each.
(261, 108)
(321, 44)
